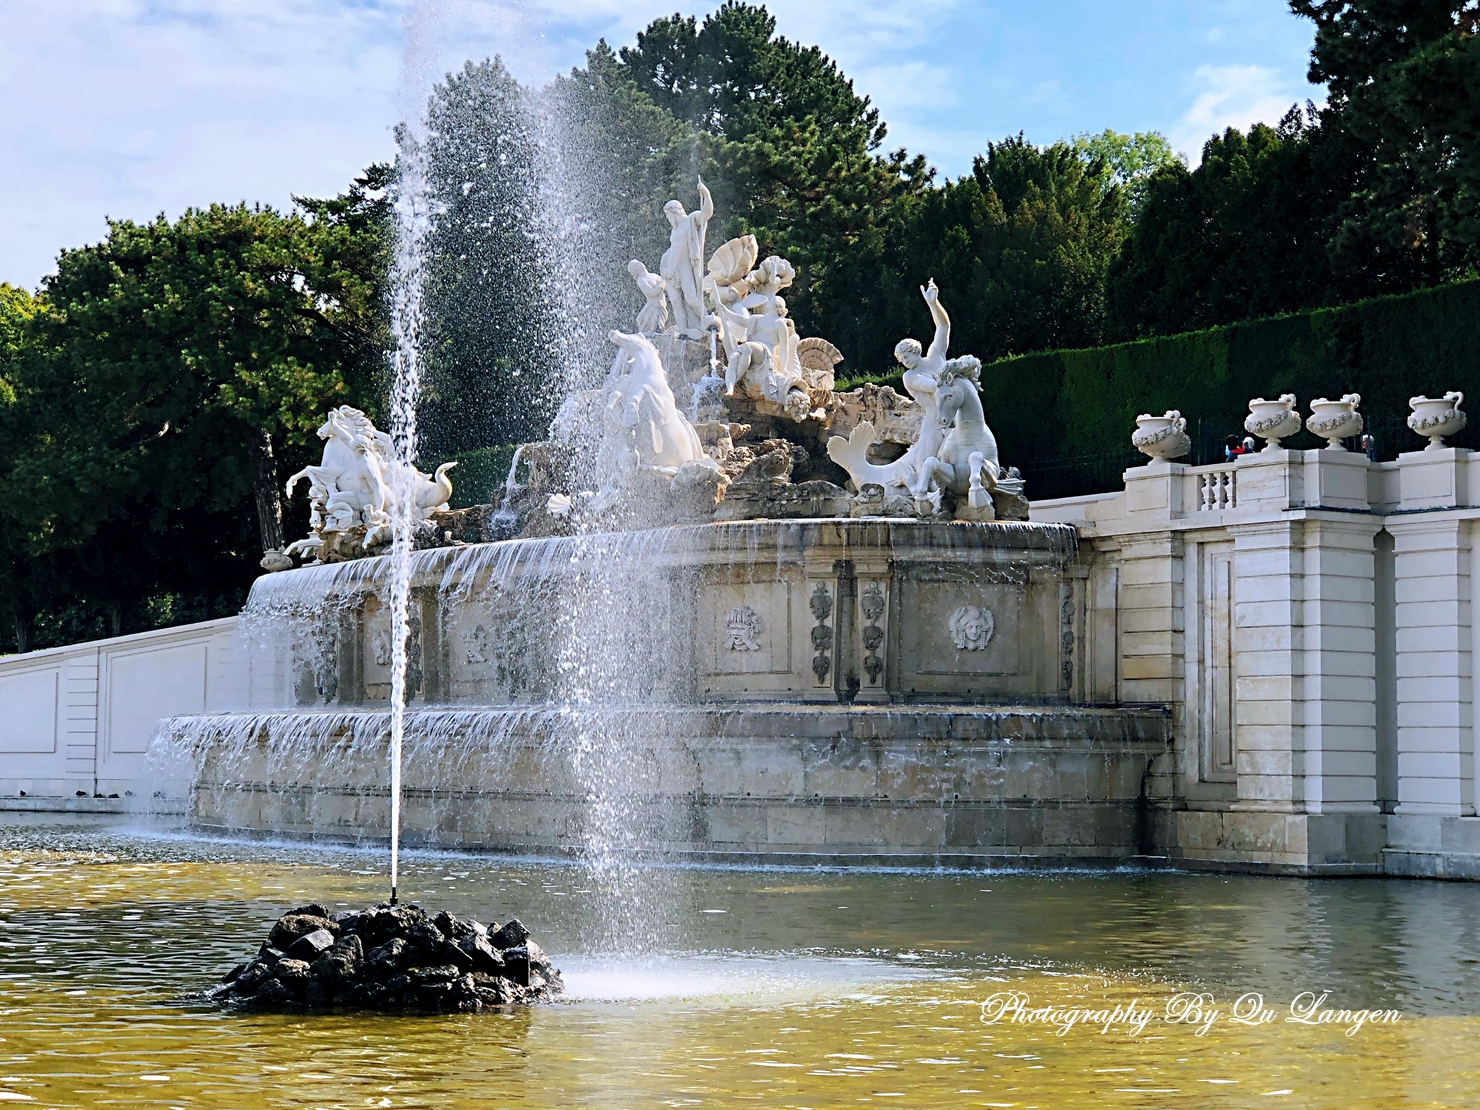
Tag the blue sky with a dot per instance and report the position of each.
(127, 108)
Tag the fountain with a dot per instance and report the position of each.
(770, 631)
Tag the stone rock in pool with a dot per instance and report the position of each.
(308, 947)
(386, 960)
(341, 963)
(486, 958)
(293, 974)
(293, 925)
(391, 958)
(511, 935)
(426, 936)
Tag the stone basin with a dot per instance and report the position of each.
(866, 690)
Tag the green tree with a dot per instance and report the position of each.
(1404, 80)
(1247, 233)
(1132, 160)
(171, 361)
(491, 342)
(17, 589)
(793, 156)
(734, 76)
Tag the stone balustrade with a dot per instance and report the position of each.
(1308, 616)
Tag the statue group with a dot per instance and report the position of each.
(740, 303)
(668, 436)
(352, 491)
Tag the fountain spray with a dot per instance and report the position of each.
(413, 222)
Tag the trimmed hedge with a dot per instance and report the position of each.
(1085, 402)
(480, 475)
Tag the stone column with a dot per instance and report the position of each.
(1305, 665)
(1432, 589)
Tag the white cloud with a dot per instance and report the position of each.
(1231, 96)
(126, 108)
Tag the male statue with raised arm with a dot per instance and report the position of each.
(921, 380)
(682, 265)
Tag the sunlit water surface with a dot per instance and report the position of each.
(747, 987)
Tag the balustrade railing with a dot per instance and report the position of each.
(1217, 488)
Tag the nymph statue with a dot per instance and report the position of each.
(727, 285)
(682, 265)
(653, 316)
(767, 365)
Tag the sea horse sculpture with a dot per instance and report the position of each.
(966, 462)
(352, 489)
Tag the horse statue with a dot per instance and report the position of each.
(661, 435)
(966, 462)
(354, 486)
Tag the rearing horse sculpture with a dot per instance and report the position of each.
(967, 461)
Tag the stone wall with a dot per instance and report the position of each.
(1308, 617)
(800, 783)
(75, 721)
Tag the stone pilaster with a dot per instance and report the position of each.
(1432, 589)
(1152, 618)
(1268, 642)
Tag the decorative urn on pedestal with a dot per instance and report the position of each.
(1437, 417)
(1162, 437)
(1333, 421)
(1273, 420)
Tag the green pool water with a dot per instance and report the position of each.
(717, 987)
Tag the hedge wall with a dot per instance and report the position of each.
(1085, 402)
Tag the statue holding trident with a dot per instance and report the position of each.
(682, 265)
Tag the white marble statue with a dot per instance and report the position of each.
(727, 286)
(922, 374)
(966, 461)
(766, 366)
(682, 265)
(655, 432)
(653, 316)
(352, 489)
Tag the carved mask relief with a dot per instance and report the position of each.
(972, 627)
(744, 627)
(476, 643)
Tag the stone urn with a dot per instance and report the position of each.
(1273, 420)
(1162, 437)
(1333, 421)
(1437, 417)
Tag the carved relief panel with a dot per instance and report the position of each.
(973, 633)
(745, 628)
